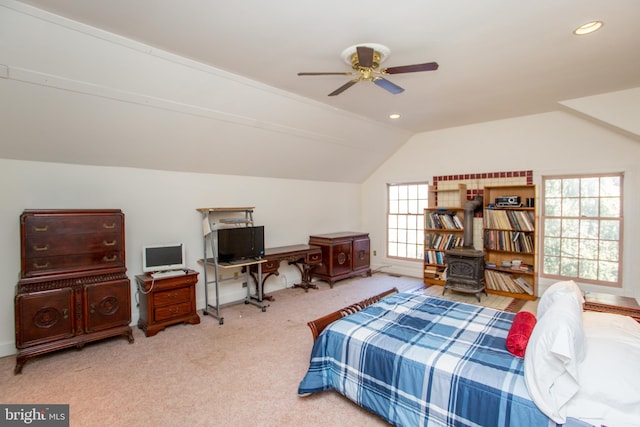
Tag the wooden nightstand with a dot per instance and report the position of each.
(607, 303)
(167, 301)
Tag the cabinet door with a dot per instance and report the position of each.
(107, 305)
(340, 258)
(44, 316)
(360, 253)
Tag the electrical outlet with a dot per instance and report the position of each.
(235, 275)
(375, 252)
(244, 284)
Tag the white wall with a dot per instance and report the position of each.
(71, 93)
(161, 207)
(551, 143)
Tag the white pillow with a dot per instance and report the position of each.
(556, 290)
(555, 348)
(609, 378)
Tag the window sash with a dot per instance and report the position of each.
(582, 228)
(405, 220)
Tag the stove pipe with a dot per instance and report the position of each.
(469, 208)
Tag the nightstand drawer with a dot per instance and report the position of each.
(171, 311)
(173, 296)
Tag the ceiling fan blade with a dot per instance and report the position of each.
(326, 74)
(388, 86)
(428, 66)
(365, 56)
(344, 87)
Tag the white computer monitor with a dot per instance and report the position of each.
(163, 257)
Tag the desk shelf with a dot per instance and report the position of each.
(211, 218)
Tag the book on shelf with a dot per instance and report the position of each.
(510, 219)
(512, 241)
(443, 242)
(524, 285)
(443, 221)
(507, 283)
(434, 257)
(430, 272)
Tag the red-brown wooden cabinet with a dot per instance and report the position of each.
(73, 286)
(344, 254)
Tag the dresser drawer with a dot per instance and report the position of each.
(56, 242)
(56, 224)
(51, 245)
(171, 311)
(173, 296)
(60, 264)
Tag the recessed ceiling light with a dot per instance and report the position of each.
(587, 28)
(394, 116)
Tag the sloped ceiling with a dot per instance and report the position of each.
(497, 58)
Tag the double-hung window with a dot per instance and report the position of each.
(582, 228)
(405, 220)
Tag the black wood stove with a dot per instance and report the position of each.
(465, 265)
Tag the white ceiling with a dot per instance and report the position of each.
(498, 58)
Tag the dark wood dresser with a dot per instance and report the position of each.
(167, 301)
(344, 254)
(607, 303)
(73, 286)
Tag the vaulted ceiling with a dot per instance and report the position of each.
(497, 58)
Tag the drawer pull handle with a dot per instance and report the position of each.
(111, 243)
(65, 314)
(109, 226)
(36, 265)
(41, 248)
(110, 258)
(39, 229)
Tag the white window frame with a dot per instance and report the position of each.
(405, 220)
(580, 244)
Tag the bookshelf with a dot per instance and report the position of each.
(452, 196)
(443, 229)
(509, 240)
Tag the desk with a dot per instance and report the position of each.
(304, 257)
(256, 300)
(607, 303)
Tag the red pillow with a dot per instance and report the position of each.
(520, 331)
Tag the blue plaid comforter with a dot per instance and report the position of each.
(422, 361)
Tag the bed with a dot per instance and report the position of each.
(417, 360)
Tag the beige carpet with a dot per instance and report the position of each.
(243, 373)
(494, 301)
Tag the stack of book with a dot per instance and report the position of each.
(507, 283)
(433, 272)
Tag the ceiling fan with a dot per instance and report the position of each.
(365, 60)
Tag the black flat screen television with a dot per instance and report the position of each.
(241, 243)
